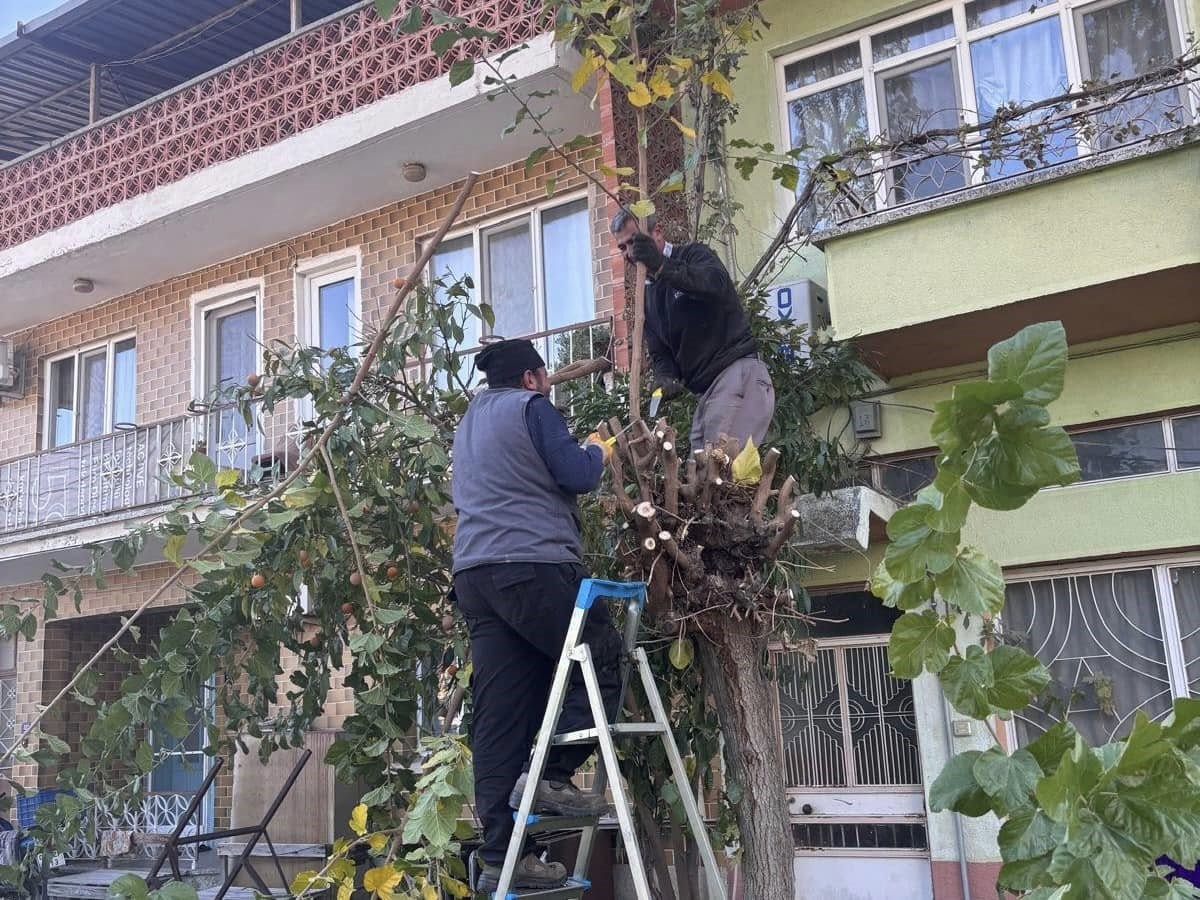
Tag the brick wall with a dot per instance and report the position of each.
(161, 317)
(388, 239)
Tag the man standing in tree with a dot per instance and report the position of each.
(698, 335)
(518, 563)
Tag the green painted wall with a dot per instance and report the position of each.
(1123, 220)
(1104, 382)
(1128, 219)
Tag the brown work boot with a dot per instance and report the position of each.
(559, 798)
(531, 873)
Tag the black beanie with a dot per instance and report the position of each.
(505, 360)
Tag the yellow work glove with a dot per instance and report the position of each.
(605, 446)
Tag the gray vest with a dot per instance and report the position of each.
(510, 508)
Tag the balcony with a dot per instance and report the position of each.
(62, 498)
(304, 132)
(1070, 210)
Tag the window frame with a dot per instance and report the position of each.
(1068, 12)
(219, 300)
(1166, 603)
(313, 274)
(1166, 421)
(9, 676)
(506, 220)
(108, 345)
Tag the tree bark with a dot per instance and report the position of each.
(746, 710)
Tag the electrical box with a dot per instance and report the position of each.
(8, 364)
(866, 416)
(804, 302)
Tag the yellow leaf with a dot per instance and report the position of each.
(358, 819)
(455, 887)
(381, 880)
(747, 465)
(683, 129)
(429, 892)
(341, 870)
(606, 44)
(303, 881)
(589, 65)
(623, 70)
(345, 889)
(639, 95)
(680, 62)
(718, 83)
(642, 208)
(660, 85)
(377, 841)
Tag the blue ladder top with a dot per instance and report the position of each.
(591, 588)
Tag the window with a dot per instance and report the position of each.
(960, 62)
(227, 330)
(1116, 642)
(534, 270)
(184, 763)
(1155, 446)
(328, 292)
(91, 392)
(8, 693)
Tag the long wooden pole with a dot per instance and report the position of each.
(639, 288)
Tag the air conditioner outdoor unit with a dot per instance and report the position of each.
(803, 302)
(8, 365)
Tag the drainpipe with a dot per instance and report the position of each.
(959, 838)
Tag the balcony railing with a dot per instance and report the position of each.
(155, 814)
(1119, 120)
(331, 68)
(131, 470)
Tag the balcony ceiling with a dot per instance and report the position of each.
(143, 48)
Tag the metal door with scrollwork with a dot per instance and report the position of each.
(852, 764)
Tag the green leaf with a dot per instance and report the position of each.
(915, 546)
(973, 583)
(1027, 874)
(681, 653)
(1050, 747)
(967, 681)
(412, 22)
(900, 594)
(128, 887)
(444, 41)
(949, 508)
(1029, 833)
(919, 641)
(461, 70)
(1008, 780)
(1030, 457)
(55, 744)
(1035, 358)
(226, 478)
(1017, 679)
(956, 788)
(173, 547)
(1076, 775)
(385, 8)
(378, 796)
(203, 468)
(533, 157)
(143, 757)
(1100, 863)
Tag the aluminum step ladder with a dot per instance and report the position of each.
(608, 772)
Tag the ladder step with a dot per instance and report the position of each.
(589, 735)
(572, 890)
(543, 824)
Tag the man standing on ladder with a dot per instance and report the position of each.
(518, 564)
(698, 336)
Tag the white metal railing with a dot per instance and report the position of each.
(132, 468)
(156, 813)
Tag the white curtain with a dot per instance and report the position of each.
(1022, 65)
(567, 265)
(510, 281)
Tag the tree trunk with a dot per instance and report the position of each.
(746, 710)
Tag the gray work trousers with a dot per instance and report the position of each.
(739, 404)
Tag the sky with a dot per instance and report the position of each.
(13, 11)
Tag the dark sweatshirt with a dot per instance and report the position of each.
(695, 324)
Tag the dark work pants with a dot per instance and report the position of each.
(517, 616)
